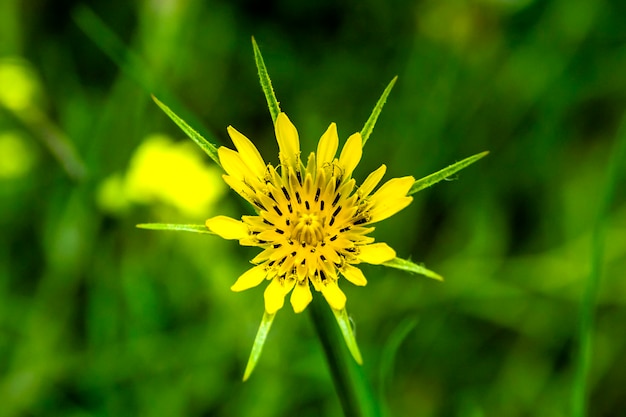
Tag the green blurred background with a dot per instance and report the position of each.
(98, 318)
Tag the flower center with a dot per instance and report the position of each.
(308, 229)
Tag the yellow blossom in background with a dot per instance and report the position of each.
(20, 86)
(313, 222)
(162, 171)
(16, 156)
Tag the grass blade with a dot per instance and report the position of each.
(587, 308)
(445, 173)
(412, 267)
(266, 83)
(195, 228)
(259, 341)
(371, 121)
(204, 144)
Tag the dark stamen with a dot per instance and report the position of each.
(289, 208)
(345, 229)
(277, 210)
(332, 239)
(276, 246)
(280, 232)
(360, 221)
(268, 222)
(336, 199)
(259, 205)
(298, 197)
(332, 221)
(270, 195)
(337, 210)
(322, 276)
(285, 192)
(317, 194)
(306, 204)
(322, 205)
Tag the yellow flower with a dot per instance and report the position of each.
(312, 222)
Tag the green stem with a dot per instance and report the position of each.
(353, 389)
(592, 285)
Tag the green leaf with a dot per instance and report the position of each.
(369, 125)
(196, 228)
(348, 335)
(388, 358)
(204, 144)
(409, 266)
(266, 83)
(259, 341)
(444, 173)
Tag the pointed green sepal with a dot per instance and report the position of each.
(266, 83)
(195, 228)
(348, 335)
(444, 173)
(369, 125)
(259, 341)
(409, 266)
(204, 144)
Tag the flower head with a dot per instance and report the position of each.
(312, 221)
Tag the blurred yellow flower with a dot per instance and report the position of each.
(16, 157)
(166, 172)
(312, 221)
(19, 84)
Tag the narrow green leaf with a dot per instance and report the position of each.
(204, 144)
(259, 341)
(388, 358)
(584, 353)
(369, 125)
(266, 83)
(195, 228)
(409, 266)
(353, 388)
(444, 173)
(348, 335)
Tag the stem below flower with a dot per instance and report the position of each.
(353, 389)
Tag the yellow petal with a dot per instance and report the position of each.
(227, 228)
(353, 274)
(388, 208)
(232, 163)
(288, 141)
(275, 294)
(327, 146)
(376, 253)
(251, 278)
(372, 181)
(335, 297)
(390, 198)
(248, 152)
(301, 296)
(351, 154)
